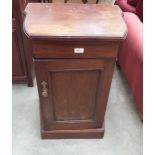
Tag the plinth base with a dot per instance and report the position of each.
(73, 134)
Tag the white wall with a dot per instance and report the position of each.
(109, 1)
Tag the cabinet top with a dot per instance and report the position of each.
(99, 21)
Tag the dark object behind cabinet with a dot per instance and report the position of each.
(22, 64)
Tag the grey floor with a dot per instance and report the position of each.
(123, 135)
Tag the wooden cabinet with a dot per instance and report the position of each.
(18, 69)
(73, 65)
(73, 90)
(22, 65)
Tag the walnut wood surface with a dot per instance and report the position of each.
(65, 49)
(85, 133)
(18, 58)
(74, 20)
(78, 84)
(18, 69)
(73, 92)
(22, 66)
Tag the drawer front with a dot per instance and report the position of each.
(72, 49)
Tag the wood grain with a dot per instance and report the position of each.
(65, 49)
(77, 84)
(75, 20)
(22, 65)
(72, 134)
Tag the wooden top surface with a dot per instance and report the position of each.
(47, 20)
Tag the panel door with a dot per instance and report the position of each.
(73, 93)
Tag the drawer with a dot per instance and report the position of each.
(74, 49)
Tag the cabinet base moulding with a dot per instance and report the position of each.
(73, 134)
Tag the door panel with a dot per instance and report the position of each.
(73, 86)
(74, 94)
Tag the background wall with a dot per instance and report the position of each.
(108, 1)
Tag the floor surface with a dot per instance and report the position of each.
(123, 135)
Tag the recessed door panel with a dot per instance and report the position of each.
(74, 94)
